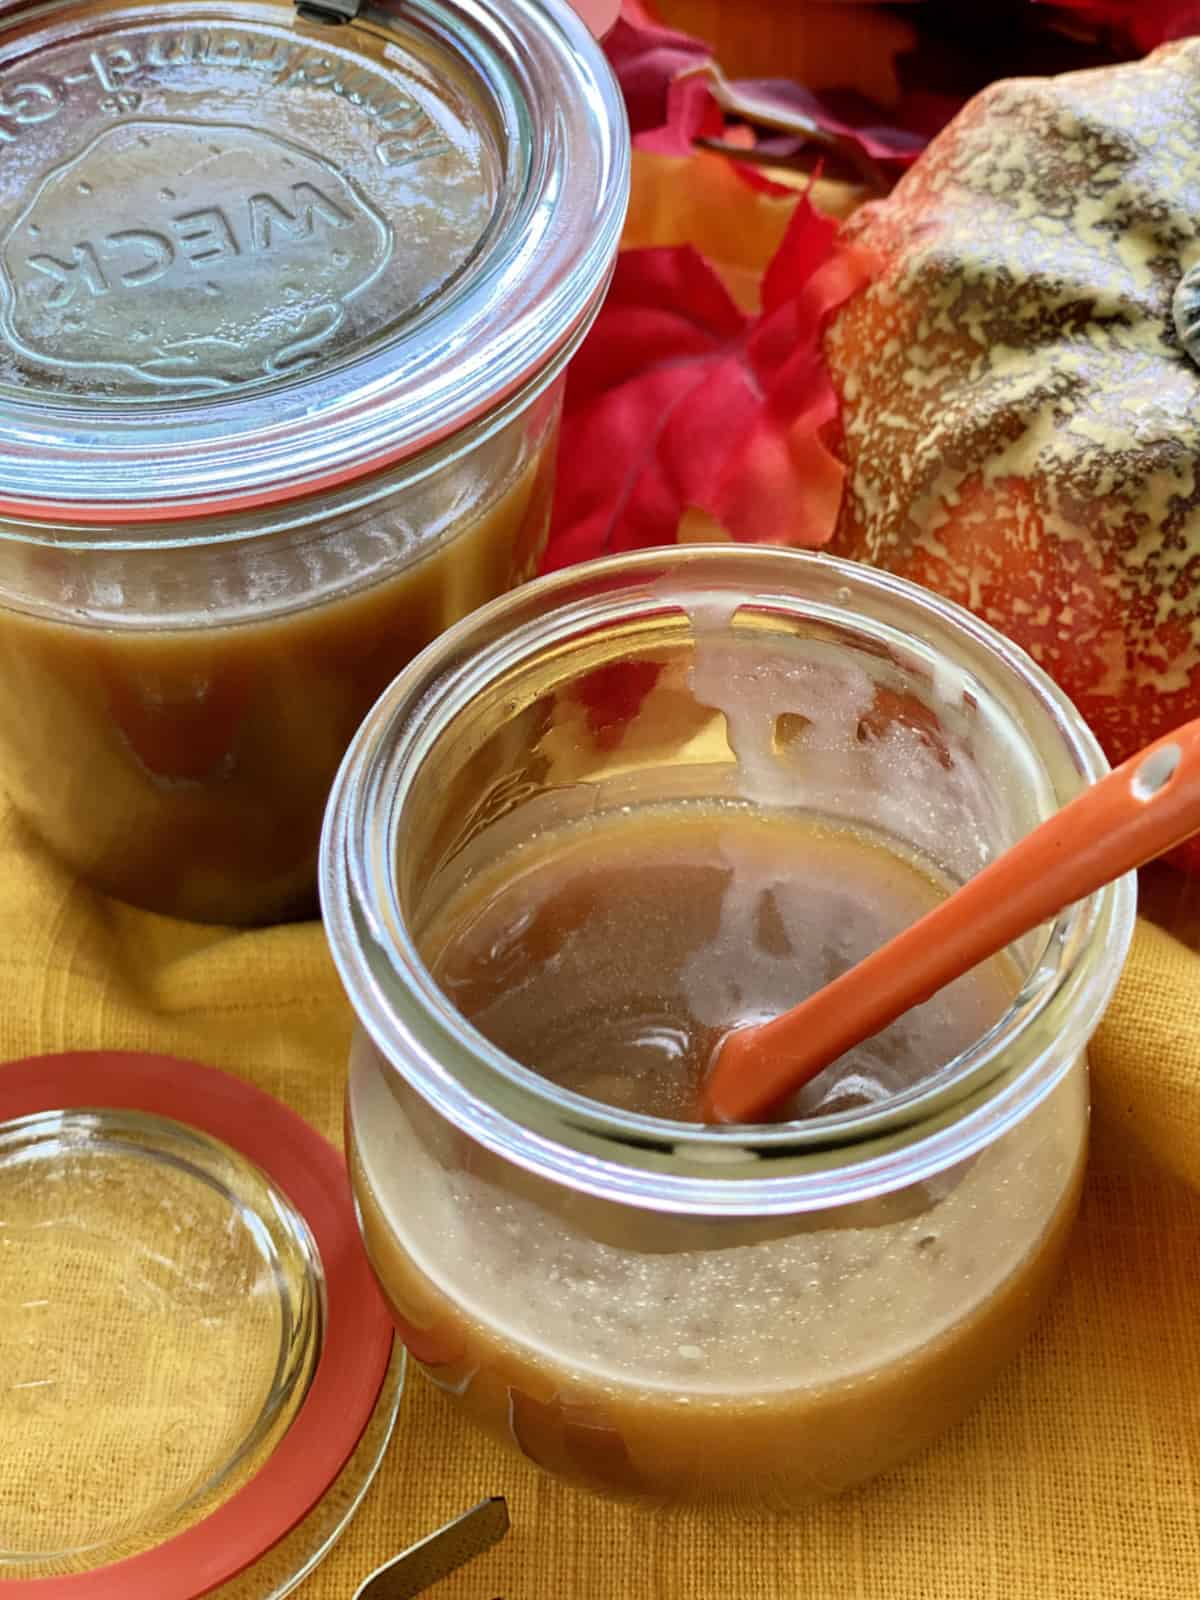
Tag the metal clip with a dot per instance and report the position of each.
(434, 1558)
(332, 12)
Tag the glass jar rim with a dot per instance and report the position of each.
(771, 1168)
(493, 335)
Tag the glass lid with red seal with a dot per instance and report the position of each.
(197, 1380)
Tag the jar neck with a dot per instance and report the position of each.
(776, 1169)
(123, 531)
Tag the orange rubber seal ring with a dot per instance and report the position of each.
(358, 1335)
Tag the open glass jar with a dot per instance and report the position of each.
(654, 1307)
(285, 300)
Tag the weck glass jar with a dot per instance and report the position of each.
(656, 1307)
(285, 299)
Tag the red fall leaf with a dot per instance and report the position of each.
(1144, 24)
(836, 117)
(678, 399)
(648, 61)
(675, 95)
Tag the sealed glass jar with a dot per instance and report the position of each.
(285, 300)
(642, 1303)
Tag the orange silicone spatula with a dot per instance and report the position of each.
(1146, 806)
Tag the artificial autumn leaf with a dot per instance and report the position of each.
(648, 60)
(1145, 24)
(840, 122)
(639, 11)
(676, 95)
(703, 199)
(600, 15)
(833, 197)
(838, 114)
(680, 400)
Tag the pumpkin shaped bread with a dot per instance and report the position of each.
(1021, 416)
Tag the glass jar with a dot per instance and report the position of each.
(662, 1309)
(287, 295)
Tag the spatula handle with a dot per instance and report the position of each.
(1148, 805)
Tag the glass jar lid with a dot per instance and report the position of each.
(249, 249)
(199, 1375)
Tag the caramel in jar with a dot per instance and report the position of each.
(704, 1358)
(186, 768)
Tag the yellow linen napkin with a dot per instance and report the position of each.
(1077, 1479)
(1146, 1057)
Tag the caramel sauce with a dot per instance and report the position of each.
(666, 1357)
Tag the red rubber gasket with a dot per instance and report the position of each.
(358, 1334)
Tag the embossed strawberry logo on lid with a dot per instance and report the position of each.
(251, 251)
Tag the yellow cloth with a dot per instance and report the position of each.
(1078, 1479)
